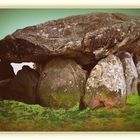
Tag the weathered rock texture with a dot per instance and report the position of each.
(23, 86)
(83, 37)
(3, 87)
(61, 48)
(62, 84)
(130, 72)
(6, 71)
(106, 84)
(138, 70)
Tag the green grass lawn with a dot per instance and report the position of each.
(17, 116)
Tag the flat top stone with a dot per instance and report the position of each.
(97, 35)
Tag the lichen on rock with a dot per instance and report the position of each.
(138, 70)
(130, 72)
(106, 83)
(97, 35)
(63, 50)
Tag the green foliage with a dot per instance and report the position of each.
(133, 99)
(105, 114)
(17, 116)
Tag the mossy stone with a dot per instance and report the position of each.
(61, 84)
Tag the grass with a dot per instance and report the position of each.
(133, 100)
(17, 116)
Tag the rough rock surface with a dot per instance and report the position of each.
(23, 86)
(138, 88)
(6, 71)
(83, 37)
(138, 69)
(130, 72)
(59, 47)
(61, 84)
(106, 84)
(3, 87)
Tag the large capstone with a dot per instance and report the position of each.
(61, 84)
(86, 38)
(23, 86)
(106, 84)
(61, 49)
(130, 72)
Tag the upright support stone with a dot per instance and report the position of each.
(138, 69)
(6, 71)
(106, 84)
(23, 86)
(130, 72)
(61, 84)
